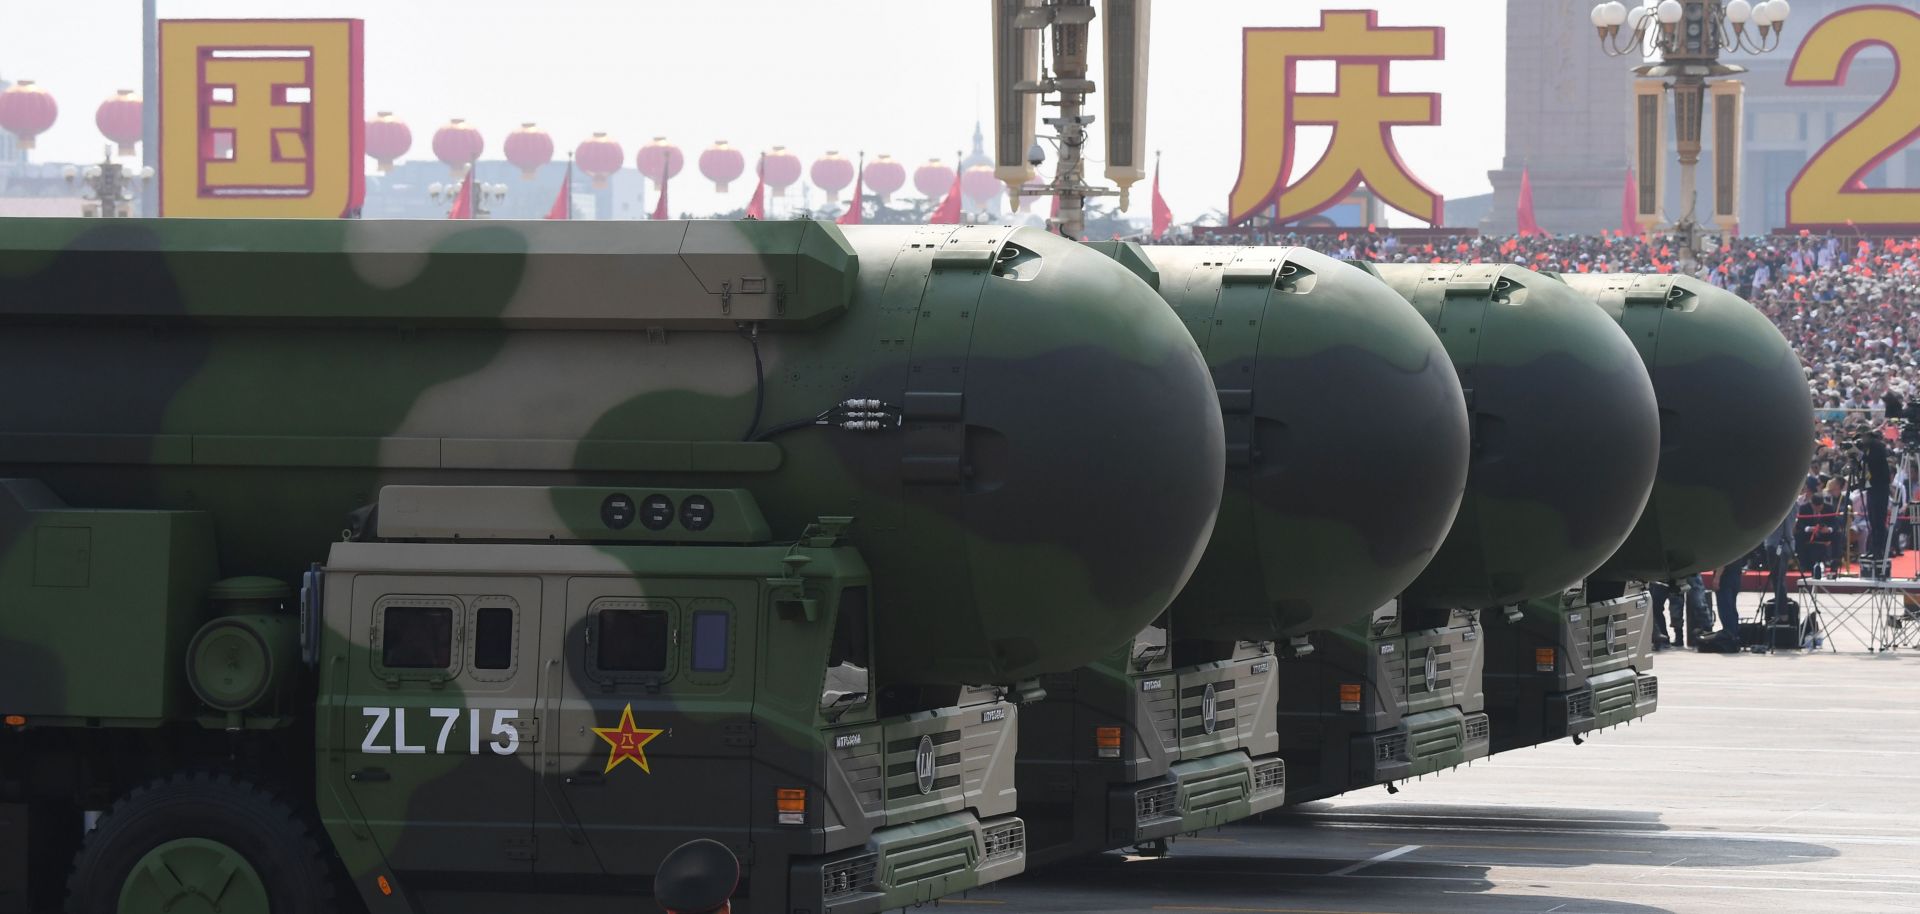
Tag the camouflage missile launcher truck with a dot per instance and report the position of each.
(1346, 460)
(1736, 439)
(473, 567)
(1564, 445)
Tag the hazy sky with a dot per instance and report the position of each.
(903, 77)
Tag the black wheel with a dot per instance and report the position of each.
(201, 843)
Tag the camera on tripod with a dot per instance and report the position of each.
(1905, 417)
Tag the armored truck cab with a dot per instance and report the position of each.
(1379, 701)
(610, 535)
(1346, 460)
(1735, 444)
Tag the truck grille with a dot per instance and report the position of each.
(1270, 776)
(1005, 840)
(1192, 718)
(1442, 670)
(1478, 728)
(848, 876)
(1390, 748)
(1579, 705)
(1649, 688)
(902, 779)
(1155, 802)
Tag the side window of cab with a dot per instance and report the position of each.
(631, 640)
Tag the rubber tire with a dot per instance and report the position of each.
(274, 839)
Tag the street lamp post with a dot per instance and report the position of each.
(1688, 37)
(108, 184)
(483, 194)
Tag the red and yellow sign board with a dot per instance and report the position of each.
(1362, 111)
(260, 117)
(1828, 193)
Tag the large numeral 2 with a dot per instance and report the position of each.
(1824, 193)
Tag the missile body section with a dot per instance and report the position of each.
(1346, 457)
(731, 530)
(1564, 445)
(1736, 431)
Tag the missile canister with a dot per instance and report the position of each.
(1736, 424)
(1346, 439)
(1565, 432)
(1029, 442)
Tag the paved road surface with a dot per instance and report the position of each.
(1785, 783)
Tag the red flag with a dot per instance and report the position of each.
(563, 203)
(852, 215)
(1343, 236)
(757, 205)
(1630, 206)
(463, 202)
(1162, 214)
(660, 209)
(948, 212)
(1524, 213)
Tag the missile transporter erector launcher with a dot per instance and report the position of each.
(1346, 457)
(1735, 441)
(606, 536)
(1564, 443)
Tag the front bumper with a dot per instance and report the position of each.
(1607, 700)
(1423, 744)
(1199, 794)
(909, 865)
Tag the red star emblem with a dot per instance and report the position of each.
(629, 742)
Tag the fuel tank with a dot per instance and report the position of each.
(1736, 424)
(1346, 439)
(1565, 432)
(1028, 440)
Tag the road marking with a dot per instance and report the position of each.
(1516, 847)
(1876, 712)
(1377, 858)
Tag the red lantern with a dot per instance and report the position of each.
(722, 163)
(884, 175)
(781, 168)
(458, 145)
(979, 185)
(659, 160)
(831, 173)
(527, 149)
(599, 157)
(388, 138)
(933, 179)
(26, 111)
(119, 119)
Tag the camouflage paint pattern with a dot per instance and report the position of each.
(1346, 439)
(1055, 473)
(1736, 423)
(1566, 432)
(276, 374)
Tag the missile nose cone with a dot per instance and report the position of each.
(1736, 423)
(1095, 451)
(1358, 444)
(1564, 426)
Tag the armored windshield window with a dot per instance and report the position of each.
(710, 642)
(493, 638)
(417, 637)
(633, 640)
(847, 680)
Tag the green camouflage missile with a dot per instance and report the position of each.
(1736, 423)
(1566, 432)
(1346, 439)
(1014, 422)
